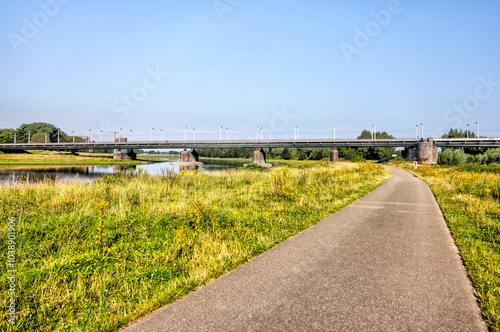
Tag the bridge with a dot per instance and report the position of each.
(417, 148)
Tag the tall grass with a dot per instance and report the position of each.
(96, 256)
(469, 197)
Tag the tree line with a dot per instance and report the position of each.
(36, 133)
(309, 153)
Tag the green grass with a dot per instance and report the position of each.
(96, 256)
(67, 159)
(469, 197)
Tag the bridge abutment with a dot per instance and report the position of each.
(120, 155)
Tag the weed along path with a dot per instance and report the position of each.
(385, 263)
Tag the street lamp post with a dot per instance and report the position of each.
(15, 136)
(45, 137)
(102, 137)
(422, 127)
(227, 135)
(334, 127)
(185, 134)
(120, 135)
(467, 134)
(220, 134)
(257, 135)
(57, 136)
(161, 134)
(88, 138)
(477, 129)
(374, 131)
(73, 132)
(29, 136)
(152, 129)
(416, 131)
(261, 133)
(194, 134)
(131, 136)
(297, 133)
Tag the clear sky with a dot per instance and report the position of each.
(171, 64)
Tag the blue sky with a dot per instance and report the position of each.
(105, 65)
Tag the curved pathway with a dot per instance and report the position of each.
(385, 263)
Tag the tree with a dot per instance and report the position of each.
(41, 127)
(6, 135)
(286, 154)
(376, 153)
(458, 133)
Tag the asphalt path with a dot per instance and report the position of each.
(385, 263)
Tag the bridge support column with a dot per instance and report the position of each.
(259, 157)
(187, 157)
(334, 155)
(426, 151)
(131, 155)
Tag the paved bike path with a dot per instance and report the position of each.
(385, 263)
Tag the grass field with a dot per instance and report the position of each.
(66, 159)
(469, 197)
(96, 256)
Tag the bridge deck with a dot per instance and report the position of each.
(304, 143)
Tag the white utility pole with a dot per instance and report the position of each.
(261, 133)
(194, 134)
(467, 134)
(422, 127)
(477, 129)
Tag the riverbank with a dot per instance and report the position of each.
(469, 197)
(90, 159)
(96, 256)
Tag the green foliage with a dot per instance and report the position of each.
(285, 155)
(452, 157)
(7, 136)
(38, 130)
(492, 156)
(225, 153)
(350, 154)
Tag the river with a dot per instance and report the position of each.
(23, 173)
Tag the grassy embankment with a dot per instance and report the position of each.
(67, 159)
(469, 197)
(96, 256)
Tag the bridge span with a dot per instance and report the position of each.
(418, 148)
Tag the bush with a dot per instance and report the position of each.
(452, 157)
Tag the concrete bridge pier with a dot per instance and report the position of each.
(334, 155)
(120, 155)
(187, 157)
(425, 151)
(259, 157)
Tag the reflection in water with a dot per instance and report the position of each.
(33, 174)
